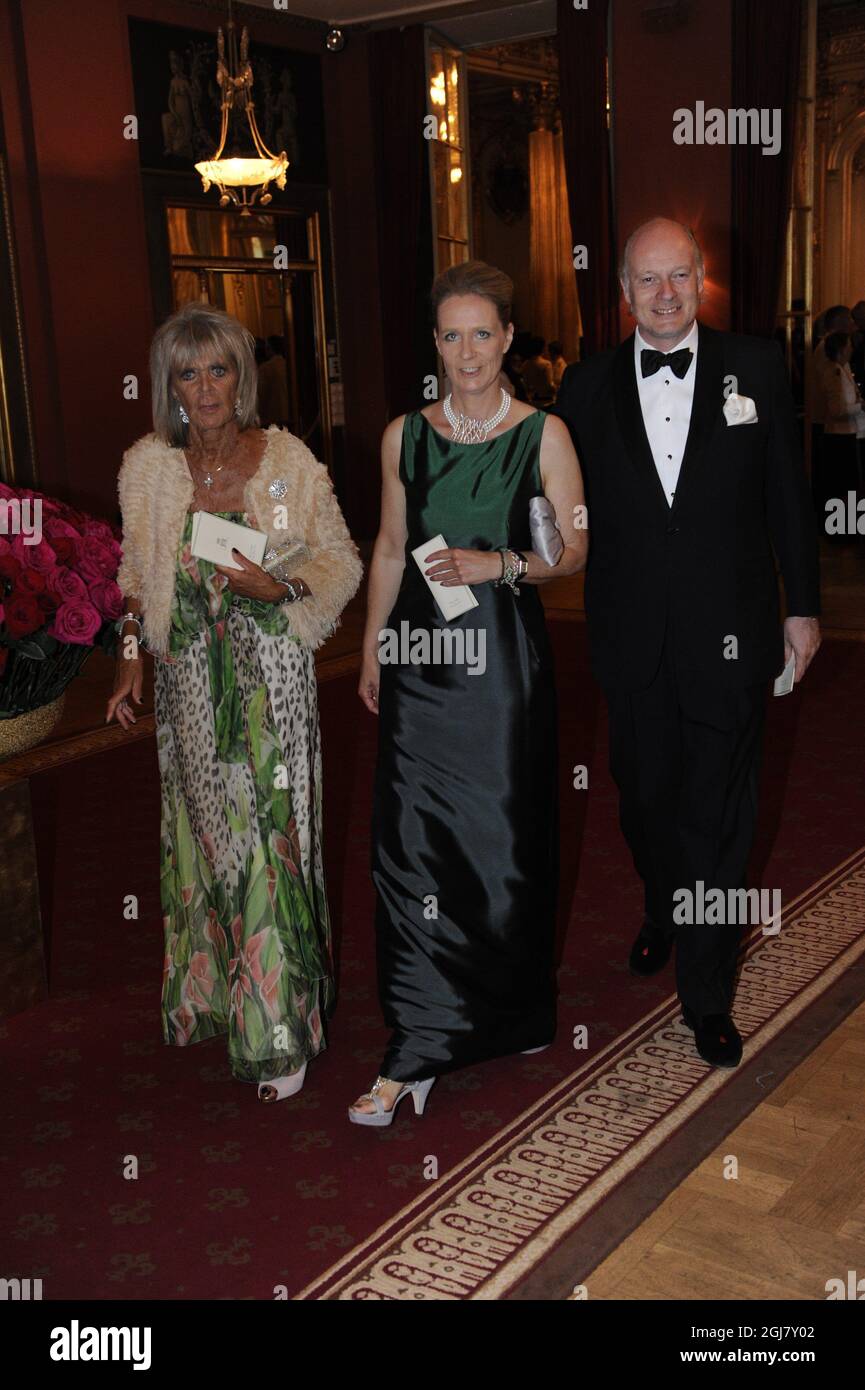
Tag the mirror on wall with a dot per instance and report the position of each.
(265, 270)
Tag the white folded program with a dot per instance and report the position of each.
(213, 538)
(453, 600)
(784, 683)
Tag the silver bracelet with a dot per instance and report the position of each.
(294, 592)
(128, 618)
(513, 569)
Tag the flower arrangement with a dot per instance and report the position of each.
(58, 595)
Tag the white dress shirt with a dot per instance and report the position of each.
(841, 399)
(666, 403)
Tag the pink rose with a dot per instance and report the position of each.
(64, 549)
(76, 622)
(66, 586)
(107, 598)
(55, 526)
(100, 529)
(34, 557)
(93, 560)
(32, 582)
(9, 569)
(23, 615)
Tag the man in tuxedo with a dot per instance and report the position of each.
(688, 444)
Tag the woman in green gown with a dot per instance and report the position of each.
(465, 825)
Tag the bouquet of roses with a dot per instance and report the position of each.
(58, 595)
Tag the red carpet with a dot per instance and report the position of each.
(233, 1198)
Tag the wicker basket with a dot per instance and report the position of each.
(24, 731)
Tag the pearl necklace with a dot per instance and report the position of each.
(467, 429)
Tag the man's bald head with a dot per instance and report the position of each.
(648, 235)
(662, 279)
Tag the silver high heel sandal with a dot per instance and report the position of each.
(282, 1087)
(419, 1089)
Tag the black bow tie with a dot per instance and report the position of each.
(651, 361)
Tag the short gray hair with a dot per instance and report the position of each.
(178, 342)
(623, 264)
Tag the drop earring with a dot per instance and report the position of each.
(183, 415)
(237, 406)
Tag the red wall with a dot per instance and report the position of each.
(653, 75)
(66, 83)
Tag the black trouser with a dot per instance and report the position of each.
(686, 765)
(839, 475)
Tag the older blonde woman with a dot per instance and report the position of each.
(247, 932)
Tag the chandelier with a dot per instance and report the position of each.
(241, 181)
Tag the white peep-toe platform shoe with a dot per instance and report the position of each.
(282, 1087)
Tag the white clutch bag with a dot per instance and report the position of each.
(213, 539)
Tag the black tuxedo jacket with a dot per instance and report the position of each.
(704, 568)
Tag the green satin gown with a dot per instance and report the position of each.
(465, 821)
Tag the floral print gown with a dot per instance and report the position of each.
(247, 931)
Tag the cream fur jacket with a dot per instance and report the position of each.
(290, 497)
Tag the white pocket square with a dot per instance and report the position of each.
(739, 410)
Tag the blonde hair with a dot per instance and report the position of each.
(195, 329)
(474, 277)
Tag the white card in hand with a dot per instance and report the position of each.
(213, 537)
(453, 600)
(784, 682)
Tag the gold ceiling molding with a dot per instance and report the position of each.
(847, 45)
(527, 60)
(249, 14)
